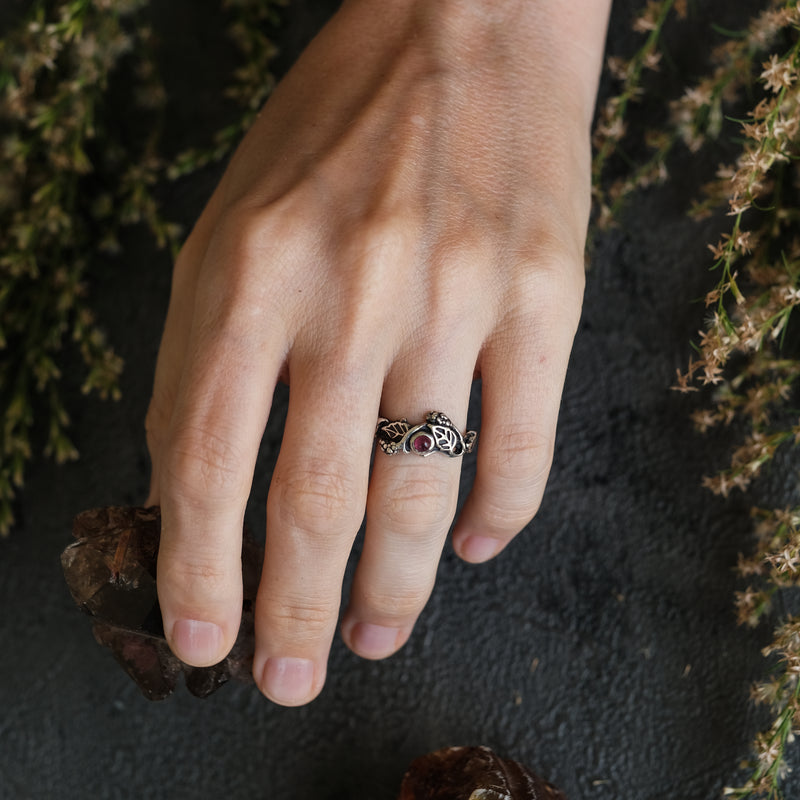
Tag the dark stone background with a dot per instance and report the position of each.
(601, 648)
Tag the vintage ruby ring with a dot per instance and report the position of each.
(436, 434)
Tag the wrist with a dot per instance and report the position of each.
(553, 45)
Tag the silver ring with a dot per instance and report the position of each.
(436, 435)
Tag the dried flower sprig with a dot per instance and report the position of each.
(740, 353)
(776, 563)
(759, 264)
(611, 124)
(253, 22)
(751, 323)
(70, 182)
(695, 118)
(54, 70)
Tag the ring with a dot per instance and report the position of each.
(436, 434)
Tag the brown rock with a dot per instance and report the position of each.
(111, 573)
(473, 773)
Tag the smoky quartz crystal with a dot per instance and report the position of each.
(473, 773)
(111, 572)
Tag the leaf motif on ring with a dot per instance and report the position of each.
(395, 431)
(446, 438)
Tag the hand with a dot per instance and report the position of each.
(408, 212)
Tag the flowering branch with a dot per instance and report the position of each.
(739, 354)
(71, 183)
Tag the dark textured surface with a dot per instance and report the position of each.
(600, 649)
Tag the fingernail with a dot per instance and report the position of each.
(479, 548)
(288, 681)
(197, 643)
(374, 641)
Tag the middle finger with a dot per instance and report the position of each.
(314, 510)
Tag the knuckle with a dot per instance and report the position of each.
(202, 465)
(258, 231)
(553, 285)
(518, 464)
(520, 456)
(351, 356)
(195, 579)
(318, 498)
(377, 237)
(394, 607)
(419, 505)
(445, 323)
(550, 271)
(362, 258)
(554, 239)
(302, 621)
(244, 228)
(244, 245)
(506, 519)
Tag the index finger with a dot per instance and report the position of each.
(232, 360)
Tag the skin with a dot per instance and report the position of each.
(408, 213)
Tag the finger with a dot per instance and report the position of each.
(522, 368)
(175, 339)
(314, 510)
(206, 466)
(171, 355)
(410, 507)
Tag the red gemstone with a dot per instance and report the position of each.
(421, 443)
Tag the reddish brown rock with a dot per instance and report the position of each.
(111, 573)
(473, 773)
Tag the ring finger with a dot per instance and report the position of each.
(410, 506)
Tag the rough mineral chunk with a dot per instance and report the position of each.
(473, 773)
(111, 573)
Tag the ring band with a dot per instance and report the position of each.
(436, 435)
